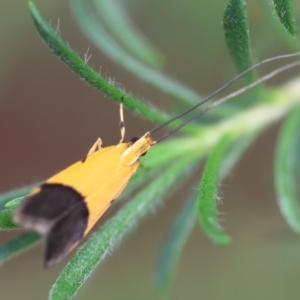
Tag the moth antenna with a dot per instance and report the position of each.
(232, 95)
(218, 91)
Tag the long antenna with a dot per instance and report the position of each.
(223, 88)
(232, 95)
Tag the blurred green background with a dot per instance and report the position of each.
(49, 118)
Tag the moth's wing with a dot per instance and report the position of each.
(64, 236)
(63, 207)
(86, 175)
(43, 212)
(109, 190)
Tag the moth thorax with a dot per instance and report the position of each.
(133, 153)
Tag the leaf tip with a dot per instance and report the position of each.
(225, 240)
(31, 5)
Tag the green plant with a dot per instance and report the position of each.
(228, 135)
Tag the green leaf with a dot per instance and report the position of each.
(8, 202)
(6, 219)
(287, 155)
(268, 44)
(17, 193)
(297, 161)
(91, 27)
(74, 62)
(173, 245)
(17, 244)
(93, 251)
(182, 225)
(117, 20)
(207, 198)
(12, 204)
(235, 25)
(285, 12)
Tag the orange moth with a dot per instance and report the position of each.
(67, 206)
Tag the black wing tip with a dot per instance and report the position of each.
(60, 213)
(21, 218)
(49, 262)
(55, 253)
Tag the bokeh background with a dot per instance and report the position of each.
(49, 118)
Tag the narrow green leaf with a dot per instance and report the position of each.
(173, 246)
(117, 20)
(182, 226)
(12, 204)
(91, 27)
(17, 245)
(235, 25)
(16, 193)
(73, 61)
(267, 44)
(207, 198)
(6, 219)
(285, 12)
(285, 163)
(93, 251)
(297, 160)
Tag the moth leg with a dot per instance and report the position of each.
(122, 123)
(97, 146)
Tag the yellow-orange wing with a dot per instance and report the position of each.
(68, 205)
